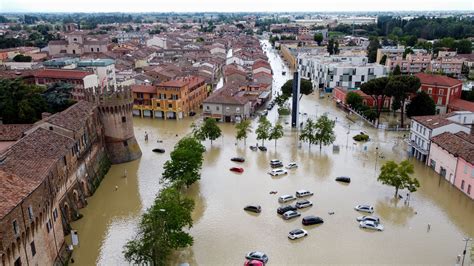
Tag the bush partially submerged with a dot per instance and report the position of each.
(361, 137)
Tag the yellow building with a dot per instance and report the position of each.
(173, 99)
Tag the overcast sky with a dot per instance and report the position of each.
(230, 5)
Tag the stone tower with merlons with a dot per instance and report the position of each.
(115, 112)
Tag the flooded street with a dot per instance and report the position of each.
(223, 233)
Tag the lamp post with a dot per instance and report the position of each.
(348, 131)
(466, 239)
(376, 157)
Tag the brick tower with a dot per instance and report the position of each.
(115, 112)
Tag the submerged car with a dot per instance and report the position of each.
(283, 209)
(292, 165)
(238, 159)
(364, 208)
(344, 179)
(303, 193)
(262, 148)
(276, 163)
(303, 204)
(257, 255)
(237, 169)
(253, 263)
(253, 208)
(310, 220)
(368, 218)
(371, 225)
(279, 171)
(286, 198)
(290, 215)
(297, 233)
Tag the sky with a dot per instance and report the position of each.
(231, 5)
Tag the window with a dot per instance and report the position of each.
(124, 119)
(462, 185)
(217, 108)
(430, 90)
(469, 189)
(92, 49)
(75, 39)
(440, 101)
(17, 262)
(97, 49)
(55, 214)
(48, 226)
(50, 128)
(432, 164)
(30, 213)
(15, 227)
(125, 143)
(73, 51)
(441, 92)
(170, 105)
(33, 248)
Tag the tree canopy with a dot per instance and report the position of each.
(324, 133)
(306, 87)
(421, 104)
(374, 44)
(208, 130)
(318, 37)
(400, 87)
(377, 89)
(353, 99)
(276, 133)
(263, 129)
(243, 128)
(333, 47)
(398, 176)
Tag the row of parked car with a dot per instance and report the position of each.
(368, 222)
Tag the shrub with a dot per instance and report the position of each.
(283, 111)
(361, 137)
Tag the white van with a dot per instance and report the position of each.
(286, 198)
(303, 193)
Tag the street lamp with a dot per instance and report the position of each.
(376, 157)
(466, 239)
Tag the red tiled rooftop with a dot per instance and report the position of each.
(74, 118)
(432, 121)
(459, 144)
(175, 83)
(437, 80)
(61, 74)
(144, 89)
(12, 191)
(461, 105)
(13, 132)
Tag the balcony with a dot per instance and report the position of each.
(418, 147)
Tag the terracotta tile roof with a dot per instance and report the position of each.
(437, 80)
(61, 74)
(144, 89)
(459, 144)
(32, 157)
(175, 83)
(73, 118)
(13, 132)
(260, 63)
(226, 95)
(12, 191)
(461, 105)
(433, 121)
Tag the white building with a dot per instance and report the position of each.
(339, 71)
(423, 128)
(157, 41)
(104, 69)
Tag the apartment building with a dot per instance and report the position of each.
(423, 128)
(339, 71)
(173, 99)
(442, 89)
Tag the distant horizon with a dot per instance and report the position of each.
(242, 6)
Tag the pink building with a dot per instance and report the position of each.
(452, 156)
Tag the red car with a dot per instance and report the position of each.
(254, 263)
(237, 169)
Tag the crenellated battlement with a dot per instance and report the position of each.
(119, 97)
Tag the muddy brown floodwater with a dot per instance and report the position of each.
(223, 233)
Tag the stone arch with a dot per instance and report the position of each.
(77, 198)
(116, 109)
(18, 245)
(107, 109)
(41, 217)
(84, 187)
(67, 212)
(9, 254)
(23, 238)
(13, 249)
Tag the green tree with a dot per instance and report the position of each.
(243, 128)
(377, 89)
(276, 133)
(58, 97)
(397, 71)
(324, 131)
(306, 87)
(464, 46)
(208, 130)
(185, 163)
(354, 100)
(318, 37)
(401, 87)
(22, 58)
(374, 44)
(263, 129)
(161, 229)
(333, 47)
(20, 103)
(308, 133)
(421, 104)
(398, 176)
(383, 60)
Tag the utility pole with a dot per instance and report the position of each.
(466, 239)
